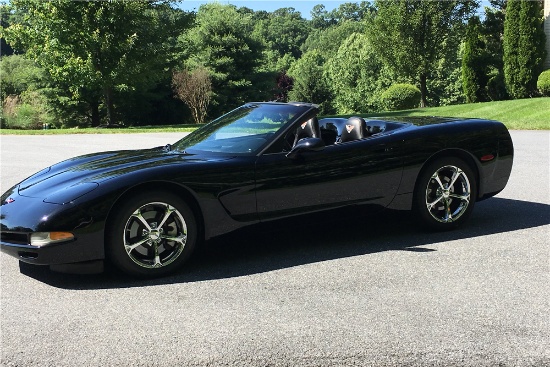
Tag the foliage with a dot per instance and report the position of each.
(524, 51)
(282, 34)
(285, 83)
(329, 40)
(28, 111)
(356, 76)
(400, 97)
(408, 35)
(18, 74)
(352, 11)
(25, 93)
(496, 87)
(222, 41)
(310, 83)
(195, 89)
(543, 83)
(96, 48)
(474, 66)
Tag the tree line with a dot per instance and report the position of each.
(80, 64)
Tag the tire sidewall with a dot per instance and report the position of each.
(114, 234)
(422, 214)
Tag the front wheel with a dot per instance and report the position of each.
(151, 234)
(445, 194)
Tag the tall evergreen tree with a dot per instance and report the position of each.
(474, 65)
(524, 51)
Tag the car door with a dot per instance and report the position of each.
(366, 171)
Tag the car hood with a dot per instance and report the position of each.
(70, 179)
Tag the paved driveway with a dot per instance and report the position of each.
(380, 293)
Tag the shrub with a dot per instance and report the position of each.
(496, 88)
(400, 97)
(28, 111)
(543, 83)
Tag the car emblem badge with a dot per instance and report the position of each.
(304, 125)
(349, 128)
(10, 200)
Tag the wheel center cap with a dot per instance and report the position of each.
(154, 235)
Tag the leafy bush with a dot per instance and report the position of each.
(28, 111)
(400, 97)
(543, 83)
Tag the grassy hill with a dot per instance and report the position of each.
(519, 114)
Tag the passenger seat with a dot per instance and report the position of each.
(354, 129)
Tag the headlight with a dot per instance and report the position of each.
(40, 239)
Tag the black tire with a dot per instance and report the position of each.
(445, 194)
(151, 234)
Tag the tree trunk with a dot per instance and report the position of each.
(108, 94)
(94, 106)
(423, 91)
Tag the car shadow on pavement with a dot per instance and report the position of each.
(312, 239)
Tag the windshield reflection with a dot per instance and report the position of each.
(244, 130)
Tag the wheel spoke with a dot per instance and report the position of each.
(432, 204)
(448, 214)
(465, 197)
(138, 216)
(157, 263)
(456, 174)
(130, 248)
(169, 210)
(181, 238)
(438, 180)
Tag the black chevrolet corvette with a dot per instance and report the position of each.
(146, 210)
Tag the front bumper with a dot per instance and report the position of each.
(58, 253)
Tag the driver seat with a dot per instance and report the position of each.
(308, 129)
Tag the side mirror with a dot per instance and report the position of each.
(306, 145)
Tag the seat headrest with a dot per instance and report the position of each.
(354, 129)
(308, 129)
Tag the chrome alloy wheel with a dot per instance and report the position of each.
(155, 235)
(448, 194)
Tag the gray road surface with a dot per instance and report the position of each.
(373, 293)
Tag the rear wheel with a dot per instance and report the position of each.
(151, 234)
(445, 193)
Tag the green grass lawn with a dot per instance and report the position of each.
(519, 114)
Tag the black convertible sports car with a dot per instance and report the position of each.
(146, 210)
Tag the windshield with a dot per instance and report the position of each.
(246, 129)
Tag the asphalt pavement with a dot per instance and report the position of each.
(367, 292)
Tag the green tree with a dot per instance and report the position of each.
(408, 35)
(310, 83)
(282, 33)
(96, 49)
(329, 40)
(356, 76)
(222, 41)
(474, 63)
(524, 51)
(351, 11)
